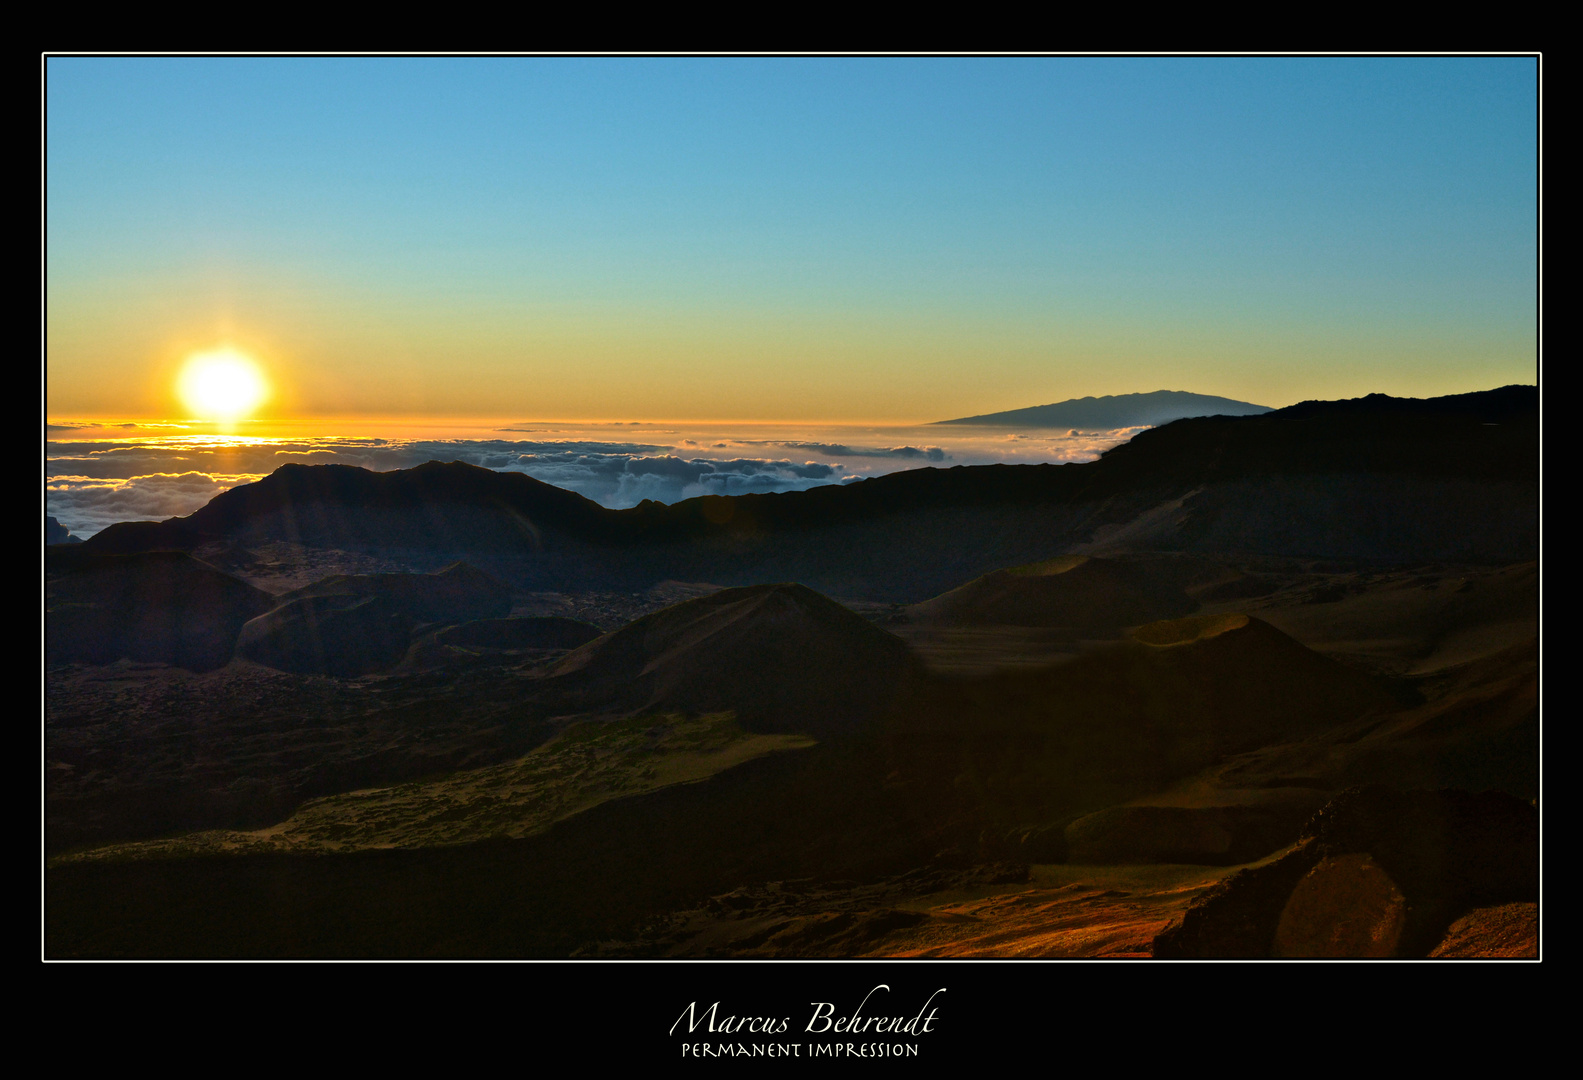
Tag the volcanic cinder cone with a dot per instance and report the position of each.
(783, 657)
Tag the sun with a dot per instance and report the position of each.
(221, 385)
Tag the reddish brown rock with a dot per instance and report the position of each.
(1508, 931)
(1344, 907)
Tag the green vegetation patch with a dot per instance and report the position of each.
(589, 763)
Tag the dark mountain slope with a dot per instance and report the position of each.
(161, 606)
(433, 505)
(459, 593)
(353, 624)
(1383, 479)
(1115, 723)
(1073, 591)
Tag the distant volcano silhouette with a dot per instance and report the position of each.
(1118, 411)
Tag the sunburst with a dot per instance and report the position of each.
(222, 385)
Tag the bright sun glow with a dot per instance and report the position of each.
(221, 385)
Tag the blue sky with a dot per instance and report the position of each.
(817, 238)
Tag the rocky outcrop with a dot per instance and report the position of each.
(1378, 872)
(1506, 931)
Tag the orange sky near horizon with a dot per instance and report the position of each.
(817, 240)
(902, 380)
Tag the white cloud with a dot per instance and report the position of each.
(90, 485)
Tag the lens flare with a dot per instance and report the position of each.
(221, 385)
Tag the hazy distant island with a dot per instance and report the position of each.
(1118, 411)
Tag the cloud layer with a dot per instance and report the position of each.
(92, 484)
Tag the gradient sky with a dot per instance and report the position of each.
(831, 239)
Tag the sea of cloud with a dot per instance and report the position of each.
(98, 475)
